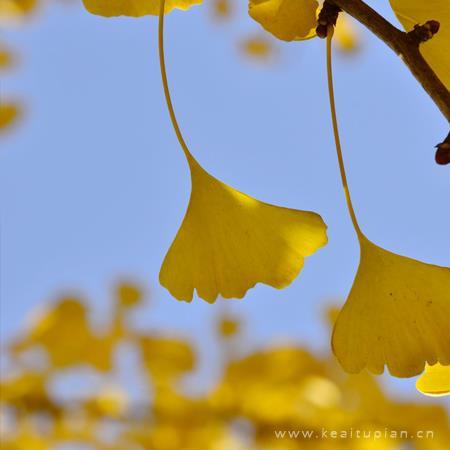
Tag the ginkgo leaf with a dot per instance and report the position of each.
(397, 314)
(135, 8)
(229, 241)
(435, 381)
(288, 20)
(435, 51)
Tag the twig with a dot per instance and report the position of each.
(405, 45)
(443, 152)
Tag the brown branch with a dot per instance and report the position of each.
(405, 45)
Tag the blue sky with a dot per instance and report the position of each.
(93, 185)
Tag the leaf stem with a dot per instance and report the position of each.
(162, 65)
(336, 135)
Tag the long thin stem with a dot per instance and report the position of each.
(162, 64)
(336, 135)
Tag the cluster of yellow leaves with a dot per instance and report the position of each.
(275, 388)
(290, 20)
(398, 311)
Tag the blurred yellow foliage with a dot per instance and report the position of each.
(7, 59)
(10, 112)
(222, 9)
(15, 11)
(256, 395)
(64, 332)
(258, 47)
(346, 35)
(228, 326)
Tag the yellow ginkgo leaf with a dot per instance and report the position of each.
(435, 381)
(397, 314)
(435, 51)
(229, 241)
(135, 8)
(288, 20)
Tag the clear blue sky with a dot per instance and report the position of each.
(93, 185)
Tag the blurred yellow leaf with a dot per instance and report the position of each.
(135, 8)
(257, 47)
(7, 59)
(166, 358)
(12, 11)
(288, 20)
(436, 50)
(435, 381)
(397, 313)
(128, 295)
(111, 401)
(27, 391)
(345, 34)
(229, 241)
(64, 332)
(9, 114)
(228, 326)
(28, 438)
(221, 9)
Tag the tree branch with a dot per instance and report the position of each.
(404, 45)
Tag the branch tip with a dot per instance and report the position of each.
(328, 16)
(424, 32)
